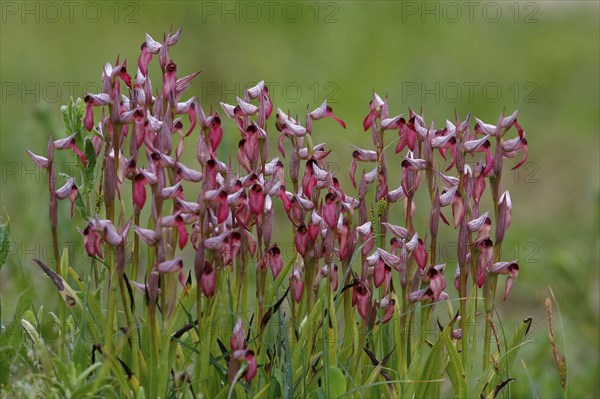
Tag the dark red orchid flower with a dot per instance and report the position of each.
(92, 241)
(437, 282)
(301, 240)
(408, 135)
(388, 306)
(296, 285)
(330, 210)
(325, 111)
(183, 235)
(69, 143)
(230, 248)
(256, 199)
(139, 192)
(208, 281)
(379, 272)
(235, 363)
(484, 260)
(68, 190)
(420, 255)
(275, 260)
(170, 82)
(361, 297)
(144, 58)
(511, 147)
(374, 107)
(510, 268)
(343, 239)
(309, 180)
(92, 100)
(216, 133)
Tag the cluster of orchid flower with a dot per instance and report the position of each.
(462, 193)
(232, 220)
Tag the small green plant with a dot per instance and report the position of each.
(191, 294)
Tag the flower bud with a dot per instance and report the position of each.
(152, 287)
(40, 161)
(296, 285)
(504, 215)
(238, 339)
(420, 255)
(510, 268)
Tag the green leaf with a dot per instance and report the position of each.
(337, 382)
(309, 145)
(64, 111)
(263, 392)
(12, 336)
(308, 329)
(70, 297)
(7, 353)
(64, 262)
(429, 384)
(492, 377)
(286, 383)
(40, 349)
(512, 349)
(90, 303)
(80, 205)
(4, 241)
(72, 115)
(31, 332)
(455, 368)
(30, 317)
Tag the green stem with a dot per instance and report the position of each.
(382, 213)
(111, 301)
(131, 327)
(408, 217)
(309, 266)
(425, 314)
(489, 294)
(489, 287)
(155, 334)
(110, 258)
(197, 367)
(464, 323)
(61, 306)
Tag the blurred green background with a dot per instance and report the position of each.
(539, 56)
